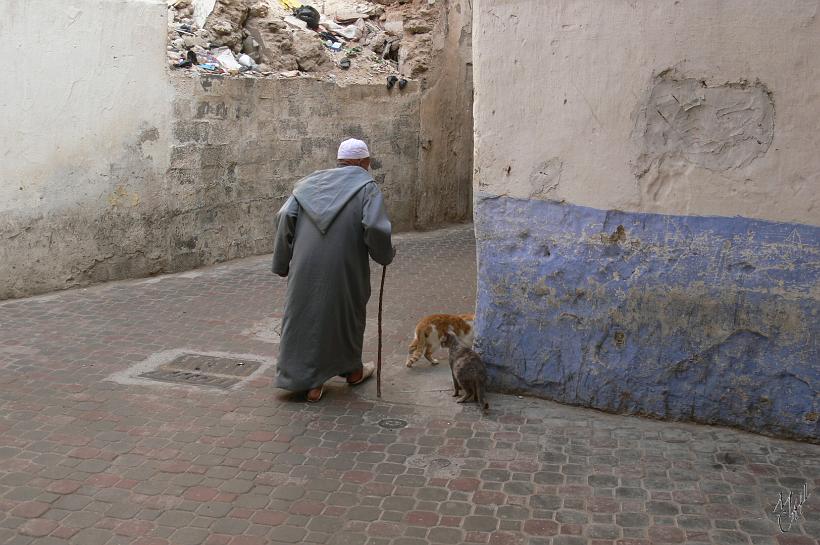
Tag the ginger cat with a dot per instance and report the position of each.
(431, 332)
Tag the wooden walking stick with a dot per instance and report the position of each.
(379, 359)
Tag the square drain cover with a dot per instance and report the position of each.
(203, 370)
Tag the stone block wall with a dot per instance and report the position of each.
(238, 146)
(646, 207)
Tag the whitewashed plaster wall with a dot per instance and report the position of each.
(86, 107)
(566, 86)
(85, 82)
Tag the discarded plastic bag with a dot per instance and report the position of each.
(308, 14)
(189, 60)
(226, 59)
(209, 63)
(351, 32)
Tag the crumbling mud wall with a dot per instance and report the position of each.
(116, 167)
(446, 125)
(647, 207)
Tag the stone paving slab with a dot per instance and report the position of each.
(86, 460)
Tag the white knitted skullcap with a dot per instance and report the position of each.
(353, 149)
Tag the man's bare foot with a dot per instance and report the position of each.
(352, 378)
(315, 395)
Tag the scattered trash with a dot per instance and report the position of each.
(245, 60)
(258, 38)
(309, 15)
(351, 32)
(291, 4)
(391, 81)
(225, 58)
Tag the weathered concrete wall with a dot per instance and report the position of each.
(702, 318)
(647, 207)
(446, 125)
(577, 111)
(115, 168)
(85, 141)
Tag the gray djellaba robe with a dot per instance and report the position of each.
(325, 232)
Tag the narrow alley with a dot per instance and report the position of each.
(92, 454)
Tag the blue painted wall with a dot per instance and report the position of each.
(708, 319)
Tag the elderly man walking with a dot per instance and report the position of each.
(326, 230)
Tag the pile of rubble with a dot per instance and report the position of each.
(344, 41)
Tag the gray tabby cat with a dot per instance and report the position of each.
(468, 372)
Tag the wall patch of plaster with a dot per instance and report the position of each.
(718, 128)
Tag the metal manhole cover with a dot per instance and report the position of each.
(202, 370)
(392, 423)
(193, 379)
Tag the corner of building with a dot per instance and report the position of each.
(646, 211)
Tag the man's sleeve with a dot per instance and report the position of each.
(285, 231)
(377, 228)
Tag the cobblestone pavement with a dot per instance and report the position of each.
(87, 460)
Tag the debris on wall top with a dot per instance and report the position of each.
(343, 41)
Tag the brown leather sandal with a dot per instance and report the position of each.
(318, 399)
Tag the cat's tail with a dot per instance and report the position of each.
(417, 347)
(482, 398)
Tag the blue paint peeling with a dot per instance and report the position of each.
(706, 319)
